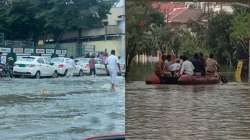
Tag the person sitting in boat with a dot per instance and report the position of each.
(167, 62)
(197, 64)
(187, 67)
(175, 68)
(160, 70)
(203, 64)
(211, 65)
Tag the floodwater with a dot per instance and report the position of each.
(176, 112)
(61, 108)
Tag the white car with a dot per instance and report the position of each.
(63, 66)
(84, 64)
(34, 66)
(122, 66)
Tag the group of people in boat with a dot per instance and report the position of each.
(170, 66)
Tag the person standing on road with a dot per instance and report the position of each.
(92, 63)
(72, 66)
(105, 58)
(11, 59)
(113, 67)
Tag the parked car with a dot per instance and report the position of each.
(34, 66)
(84, 64)
(62, 65)
(122, 66)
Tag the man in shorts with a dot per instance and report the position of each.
(92, 63)
(113, 68)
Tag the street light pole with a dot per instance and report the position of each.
(106, 32)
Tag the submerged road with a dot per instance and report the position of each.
(61, 108)
(174, 112)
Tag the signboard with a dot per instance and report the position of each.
(61, 55)
(89, 49)
(40, 51)
(64, 51)
(5, 50)
(19, 56)
(28, 50)
(58, 51)
(50, 51)
(18, 50)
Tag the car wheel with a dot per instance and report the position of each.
(55, 74)
(38, 75)
(65, 73)
(81, 73)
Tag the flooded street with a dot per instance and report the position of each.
(175, 112)
(61, 108)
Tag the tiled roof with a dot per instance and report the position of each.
(186, 15)
(167, 7)
(177, 12)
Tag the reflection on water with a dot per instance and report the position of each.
(175, 112)
(60, 108)
(139, 71)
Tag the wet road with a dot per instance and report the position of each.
(173, 112)
(61, 108)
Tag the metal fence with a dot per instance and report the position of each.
(19, 44)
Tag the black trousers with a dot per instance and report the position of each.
(92, 71)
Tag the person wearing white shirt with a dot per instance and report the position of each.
(187, 67)
(72, 66)
(175, 66)
(113, 68)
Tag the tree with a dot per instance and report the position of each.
(240, 31)
(33, 19)
(19, 20)
(138, 34)
(163, 37)
(218, 39)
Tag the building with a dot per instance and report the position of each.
(110, 36)
(207, 7)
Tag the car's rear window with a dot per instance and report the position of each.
(29, 59)
(83, 61)
(57, 60)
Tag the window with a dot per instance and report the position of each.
(40, 60)
(47, 60)
(28, 59)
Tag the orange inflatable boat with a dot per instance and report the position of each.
(183, 80)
